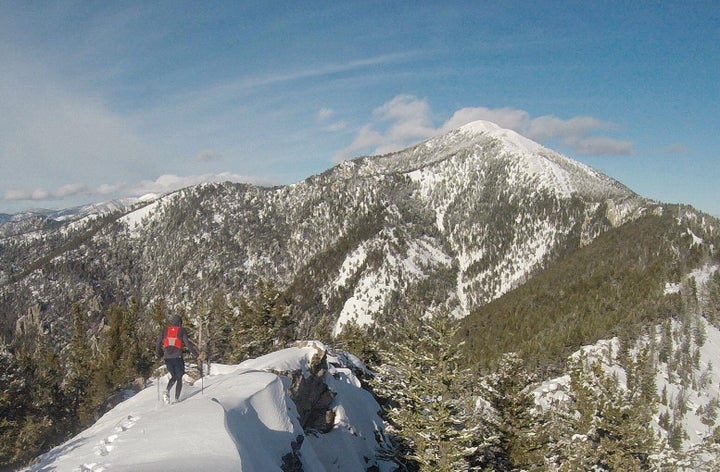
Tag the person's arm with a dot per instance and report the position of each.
(158, 344)
(186, 342)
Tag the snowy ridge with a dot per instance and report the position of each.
(241, 419)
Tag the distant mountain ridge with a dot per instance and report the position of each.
(455, 221)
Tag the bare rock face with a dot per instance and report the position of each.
(312, 397)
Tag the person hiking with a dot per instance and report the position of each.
(170, 344)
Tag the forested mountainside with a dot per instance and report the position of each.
(612, 287)
(521, 251)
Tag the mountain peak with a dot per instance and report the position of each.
(482, 127)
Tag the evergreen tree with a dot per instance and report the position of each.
(358, 341)
(45, 422)
(429, 411)
(612, 425)
(123, 354)
(216, 321)
(14, 403)
(519, 437)
(263, 323)
(78, 382)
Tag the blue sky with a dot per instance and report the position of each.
(100, 100)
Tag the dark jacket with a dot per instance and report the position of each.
(171, 352)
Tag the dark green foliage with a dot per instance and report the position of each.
(15, 402)
(516, 432)
(262, 325)
(38, 412)
(79, 382)
(361, 341)
(608, 425)
(612, 287)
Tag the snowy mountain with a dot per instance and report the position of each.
(237, 418)
(472, 213)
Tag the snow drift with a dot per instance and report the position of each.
(240, 418)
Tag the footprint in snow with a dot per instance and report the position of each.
(127, 423)
(91, 467)
(106, 445)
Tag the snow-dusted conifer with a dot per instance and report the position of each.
(612, 430)
(428, 406)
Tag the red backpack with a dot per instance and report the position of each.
(171, 337)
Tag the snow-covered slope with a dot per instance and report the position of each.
(237, 418)
(455, 221)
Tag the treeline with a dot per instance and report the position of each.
(53, 385)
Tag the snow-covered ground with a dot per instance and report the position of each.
(238, 418)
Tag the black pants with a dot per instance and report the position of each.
(176, 369)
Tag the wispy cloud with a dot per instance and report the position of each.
(325, 118)
(171, 182)
(42, 194)
(675, 149)
(324, 70)
(50, 130)
(163, 184)
(406, 119)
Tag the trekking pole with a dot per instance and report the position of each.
(157, 377)
(202, 377)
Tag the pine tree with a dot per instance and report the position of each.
(358, 341)
(78, 381)
(263, 323)
(14, 403)
(519, 439)
(46, 421)
(216, 321)
(123, 354)
(612, 423)
(430, 413)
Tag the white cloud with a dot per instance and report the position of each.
(171, 182)
(42, 194)
(163, 184)
(505, 117)
(109, 189)
(598, 146)
(549, 127)
(70, 190)
(405, 120)
(323, 117)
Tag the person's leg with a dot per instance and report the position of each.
(180, 374)
(176, 370)
(171, 371)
